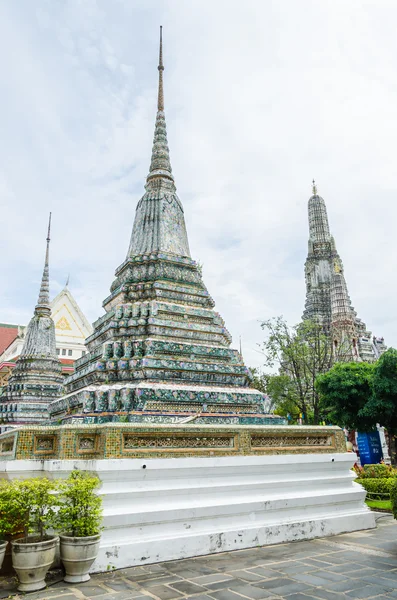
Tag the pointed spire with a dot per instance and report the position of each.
(160, 96)
(67, 280)
(43, 303)
(314, 188)
(160, 173)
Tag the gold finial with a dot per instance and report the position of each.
(314, 188)
(160, 99)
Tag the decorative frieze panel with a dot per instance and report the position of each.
(45, 444)
(178, 442)
(7, 446)
(292, 441)
(87, 443)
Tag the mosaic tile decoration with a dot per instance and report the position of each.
(129, 440)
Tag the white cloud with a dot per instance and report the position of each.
(260, 98)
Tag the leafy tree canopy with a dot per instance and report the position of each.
(382, 405)
(344, 391)
(301, 353)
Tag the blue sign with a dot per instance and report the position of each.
(369, 448)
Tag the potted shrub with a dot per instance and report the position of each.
(79, 518)
(7, 517)
(34, 502)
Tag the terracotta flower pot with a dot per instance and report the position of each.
(31, 561)
(77, 555)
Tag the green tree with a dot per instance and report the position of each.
(382, 406)
(301, 353)
(344, 391)
(259, 380)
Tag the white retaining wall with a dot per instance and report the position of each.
(170, 508)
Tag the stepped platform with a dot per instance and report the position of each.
(178, 491)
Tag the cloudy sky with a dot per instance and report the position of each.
(261, 96)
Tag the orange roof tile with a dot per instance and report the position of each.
(8, 333)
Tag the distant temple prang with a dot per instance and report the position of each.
(327, 297)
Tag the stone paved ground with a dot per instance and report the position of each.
(351, 566)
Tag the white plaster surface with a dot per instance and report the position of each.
(165, 509)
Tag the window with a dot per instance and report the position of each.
(63, 352)
(69, 352)
(58, 351)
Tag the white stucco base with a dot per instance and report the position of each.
(165, 509)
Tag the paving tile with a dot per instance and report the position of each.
(92, 591)
(266, 573)
(158, 581)
(187, 587)
(164, 592)
(119, 596)
(200, 597)
(299, 568)
(120, 584)
(249, 591)
(327, 595)
(221, 585)
(224, 595)
(317, 563)
(313, 579)
(343, 568)
(292, 588)
(346, 585)
(301, 597)
(331, 576)
(369, 591)
(246, 575)
(274, 583)
(389, 575)
(61, 596)
(207, 579)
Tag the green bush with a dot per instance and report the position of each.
(9, 519)
(393, 498)
(380, 470)
(378, 488)
(34, 502)
(80, 508)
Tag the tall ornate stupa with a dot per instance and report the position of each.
(160, 353)
(37, 377)
(327, 298)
